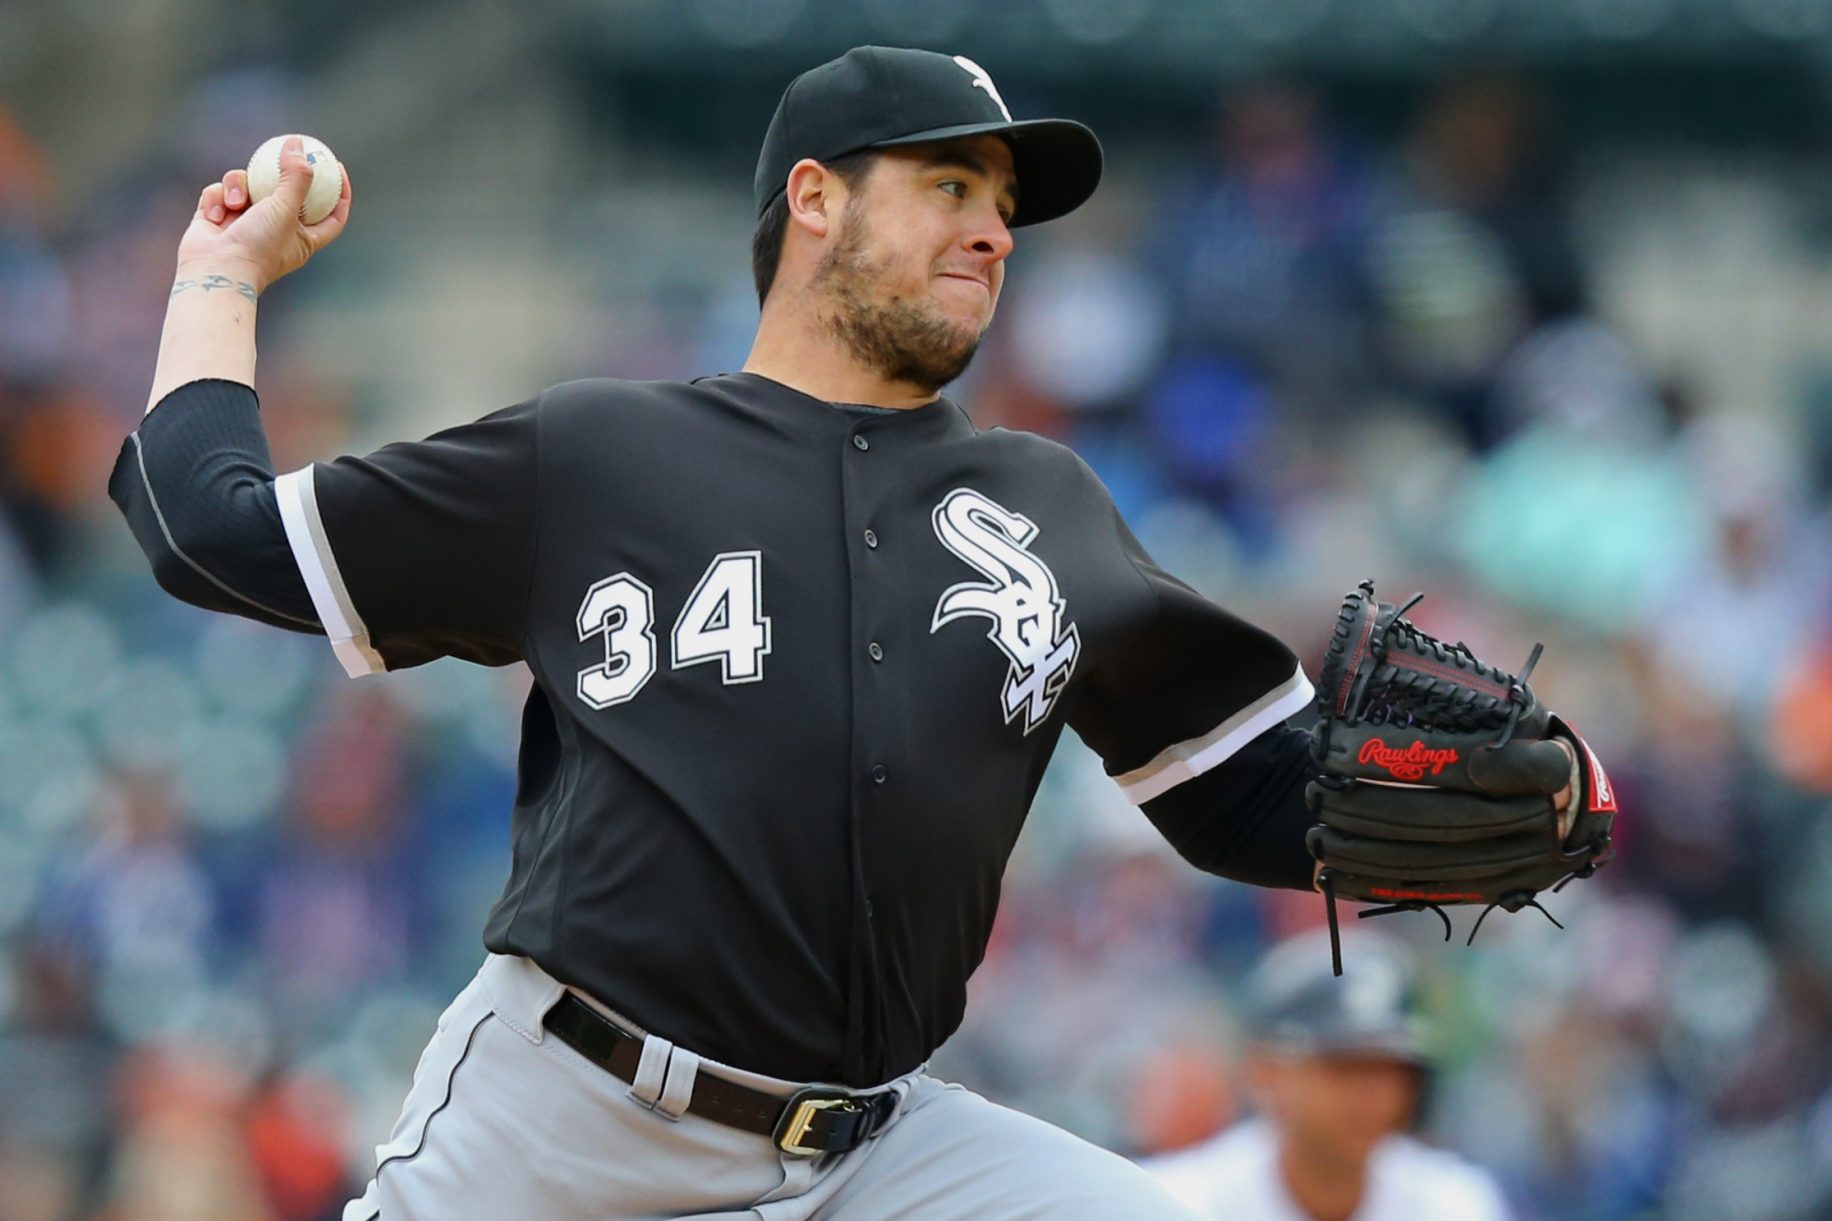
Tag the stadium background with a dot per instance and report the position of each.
(1526, 303)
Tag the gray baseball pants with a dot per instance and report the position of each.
(506, 1123)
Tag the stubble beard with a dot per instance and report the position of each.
(900, 341)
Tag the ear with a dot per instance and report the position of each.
(816, 195)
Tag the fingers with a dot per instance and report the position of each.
(210, 204)
(341, 212)
(295, 172)
(325, 231)
(223, 201)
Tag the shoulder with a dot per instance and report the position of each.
(1030, 444)
(1043, 459)
(591, 394)
(723, 403)
(633, 415)
(1227, 1166)
(1438, 1183)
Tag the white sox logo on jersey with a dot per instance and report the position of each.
(1020, 597)
(982, 79)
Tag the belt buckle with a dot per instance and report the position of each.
(798, 1118)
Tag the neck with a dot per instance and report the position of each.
(1327, 1188)
(796, 347)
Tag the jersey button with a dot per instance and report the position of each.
(879, 774)
(876, 650)
(859, 442)
(871, 538)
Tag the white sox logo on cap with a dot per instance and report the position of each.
(892, 97)
(982, 79)
(1021, 599)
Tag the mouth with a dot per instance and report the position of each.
(969, 278)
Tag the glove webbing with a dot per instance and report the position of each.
(1431, 682)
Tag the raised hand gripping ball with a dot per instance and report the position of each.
(327, 176)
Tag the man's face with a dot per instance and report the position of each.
(1337, 1107)
(918, 258)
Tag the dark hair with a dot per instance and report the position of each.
(773, 225)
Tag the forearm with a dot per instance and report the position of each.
(1246, 818)
(209, 328)
(232, 250)
(195, 481)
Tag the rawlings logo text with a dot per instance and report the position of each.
(1408, 763)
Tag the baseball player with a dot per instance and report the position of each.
(802, 641)
(1335, 1069)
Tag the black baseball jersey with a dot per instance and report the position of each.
(798, 670)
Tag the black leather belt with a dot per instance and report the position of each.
(809, 1122)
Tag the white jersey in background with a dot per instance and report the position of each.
(1234, 1176)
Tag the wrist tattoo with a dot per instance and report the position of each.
(214, 283)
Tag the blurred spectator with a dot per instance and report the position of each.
(1211, 419)
(1575, 376)
(1590, 1134)
(1264, 248)
(1800, 742)
(1481, 254)
(56, 1061)
(335, 907)
(132, 904)
(1765, 570)
(35, 300)
(1090, 330)
(298, 1130)
(1484, 147)
(183, 1154)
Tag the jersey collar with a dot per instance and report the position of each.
(941, 418)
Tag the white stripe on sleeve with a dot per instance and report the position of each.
(317, 564)
(1187, 760)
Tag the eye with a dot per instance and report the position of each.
(955, 187)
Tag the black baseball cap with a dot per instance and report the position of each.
(883, 97)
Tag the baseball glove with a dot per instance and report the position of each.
(1439, 776)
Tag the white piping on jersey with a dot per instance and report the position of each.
(318, 565)
(1187, 760)
(164, 529)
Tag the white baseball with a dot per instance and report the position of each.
(327, 176)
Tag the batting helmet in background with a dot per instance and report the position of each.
(1296, 1005)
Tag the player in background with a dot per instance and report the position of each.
(1336, 1070)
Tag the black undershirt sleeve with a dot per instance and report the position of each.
(196, 483)
(1245, 818)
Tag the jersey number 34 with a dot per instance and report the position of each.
(723, 621)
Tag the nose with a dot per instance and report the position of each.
(991, 239)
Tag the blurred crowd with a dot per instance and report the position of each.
(238, 888)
